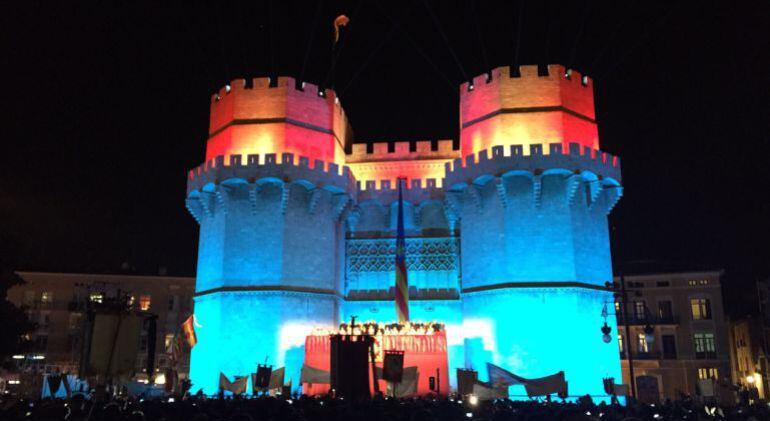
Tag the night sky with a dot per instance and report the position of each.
(105, 107)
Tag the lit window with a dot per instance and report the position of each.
(704, 345)
(46, 298)
(144, 302)
(620, 342)
(642, 343)
(701, 308)
(665, 310)
(708, 373)
(640, 310)
(96, 297)
(169, 340)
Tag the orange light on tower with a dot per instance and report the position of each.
(525, 110)
(273, 120)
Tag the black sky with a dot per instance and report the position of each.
(105, 106)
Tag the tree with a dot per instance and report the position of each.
(13, 321)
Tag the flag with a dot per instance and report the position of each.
(276, 379)
(485, 392)
(339, 22)
(114, 344)
(547, 385)
(310, 374)
(555, 383)
(408, 384)
(402, 283)
(620, 389)
(237, 386)
(189, 331)
(54, 383)
(499, 376)
(404, 388)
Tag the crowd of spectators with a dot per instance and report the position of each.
(305, 408)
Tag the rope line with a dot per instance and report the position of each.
(310, 40)
(517, 48)
(573, 53)
(365, 63)
(437, 24)
(475, 18)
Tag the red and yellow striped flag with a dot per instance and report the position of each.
(188, 327)
(402, 283)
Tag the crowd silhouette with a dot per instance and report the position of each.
(304, 408)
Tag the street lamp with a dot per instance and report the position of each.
(606, 330)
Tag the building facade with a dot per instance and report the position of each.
(749, 356)
(750, 346)
(690, 337)
(54, 302)
(507, 230)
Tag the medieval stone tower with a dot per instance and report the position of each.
(507, 237)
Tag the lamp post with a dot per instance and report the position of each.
(623, 299)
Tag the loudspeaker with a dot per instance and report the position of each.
(393, 366)
(465, 381)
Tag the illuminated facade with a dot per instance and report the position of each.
(507, 235)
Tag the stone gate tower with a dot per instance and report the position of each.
(507, 236)
(271, 236)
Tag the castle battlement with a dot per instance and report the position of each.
(386, 191)
(261, 84)
(380, 151)
(529, 73)
(287, 168)
(257, 118)
(499, 160)
(502, 109)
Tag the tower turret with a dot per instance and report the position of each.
(270, 232)
(527, 109)
(259, 118)
(532, 194)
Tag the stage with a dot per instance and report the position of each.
(424, 346)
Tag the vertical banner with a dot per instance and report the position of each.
(402, 282)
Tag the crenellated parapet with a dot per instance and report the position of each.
(263, 115)
(388, 161)
(386, 191)
(397, 151)
(376, 209)
(218, 184)
(287, 168)
(535, 159)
